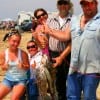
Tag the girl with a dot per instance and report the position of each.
(15, 62)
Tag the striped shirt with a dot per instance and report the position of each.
(55, 23)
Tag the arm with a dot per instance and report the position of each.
(58, 60)
(59, 34)
(3, 65)
(25, 62)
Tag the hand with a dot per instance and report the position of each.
(58, 61)
(40, 37)
(20, 64)
(42, 41)
(34, 65)
(5, 66)
(45, 28)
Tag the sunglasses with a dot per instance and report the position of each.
(39, 16)
(13, 32)
(63, 3)
(33, 46)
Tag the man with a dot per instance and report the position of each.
(56, 47)
(84, 31)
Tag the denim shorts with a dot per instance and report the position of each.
(10, 84)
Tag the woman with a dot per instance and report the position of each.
(41, 15)
(15, 62)
(42, 39)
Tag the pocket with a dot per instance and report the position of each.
(91, 31)
(76, 33)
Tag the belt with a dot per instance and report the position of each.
(54, 53)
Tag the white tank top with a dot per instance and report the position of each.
(14, 73)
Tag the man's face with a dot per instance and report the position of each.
(63, 8)
(89, 8)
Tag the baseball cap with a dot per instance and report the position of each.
(63, 1)
(81, 1)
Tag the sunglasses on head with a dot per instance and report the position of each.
(32, 46)
(39, 16)
(63, 3)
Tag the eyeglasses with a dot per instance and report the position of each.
(33, 46)
(63, 2)
(39, 16)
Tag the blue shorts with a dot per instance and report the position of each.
(10, 84)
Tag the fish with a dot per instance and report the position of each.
(44, 79)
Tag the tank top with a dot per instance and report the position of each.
(14, 73)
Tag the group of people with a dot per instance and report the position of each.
(71, 43)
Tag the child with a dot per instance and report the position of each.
(15, 62)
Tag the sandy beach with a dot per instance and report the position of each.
(25, 38)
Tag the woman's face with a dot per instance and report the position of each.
(14, 41)
(41, 17)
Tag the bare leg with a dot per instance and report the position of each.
(4, 90)
(18, 91)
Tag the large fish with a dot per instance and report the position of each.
(44, 80)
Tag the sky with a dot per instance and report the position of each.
(11, 8)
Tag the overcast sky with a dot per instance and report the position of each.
(10, 8)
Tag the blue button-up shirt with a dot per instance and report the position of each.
(85, 56)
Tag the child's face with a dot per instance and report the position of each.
(32, 48)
